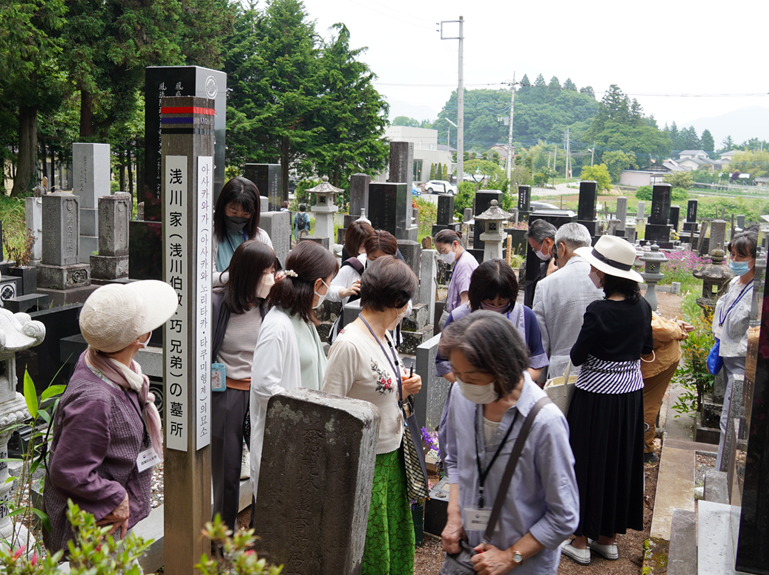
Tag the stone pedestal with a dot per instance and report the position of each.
(60, 268)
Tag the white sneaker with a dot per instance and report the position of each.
(610, 552)
(245, 464)
(581, 556)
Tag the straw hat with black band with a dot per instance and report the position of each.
(612, 255)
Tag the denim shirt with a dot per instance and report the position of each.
(542, 498)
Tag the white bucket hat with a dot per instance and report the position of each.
(116, 314)
(612, 255)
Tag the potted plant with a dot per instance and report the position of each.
(21, 255)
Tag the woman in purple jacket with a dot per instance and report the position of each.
(106, 431)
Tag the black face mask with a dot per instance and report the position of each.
(235, 224)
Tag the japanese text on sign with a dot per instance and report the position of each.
(203, 299)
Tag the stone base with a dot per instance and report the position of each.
(591, 225)
(109, 267)
(59, 297)
(457, 227)
(411, 233)
(103, 282)
(657, 233)
(413, 339)
(317, 239)
(419, 318)
(26, 303)
(63, 277)
(705, 434)
(88, 246)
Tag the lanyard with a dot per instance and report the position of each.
(454, 267)
(146, 438)
(395, 367)
(722, 316)
(483, 474)
(227, 235)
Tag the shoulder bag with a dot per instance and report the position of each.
(461, 563)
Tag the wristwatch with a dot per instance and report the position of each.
(517, 557)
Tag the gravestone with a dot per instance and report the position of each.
(114, 216)
(524, 201)
(741, 222)
(690, 225)
(588, 196)
(359, 193)
(718, 235)
(657, 228)
(467, 215)
(187, 202)
(315, 482)
(33, 216)
(736, 412)
(401, 171)
(269, 181)
(278, 227)
(429, 402)
(91, 171)
(428, 279)
(412, 254)
(325, 242)
(622, 211)
(630, 233)
(641, 213)
(264, 204)
(60, 268)
(445, 215)
(613, 227)
(387, 202)
(675, 212)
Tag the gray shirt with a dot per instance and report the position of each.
(542, 497)
(559, 304)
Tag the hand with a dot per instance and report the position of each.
(453, 533)
(118, 518)
(411, 386)
(279, 276)
(353, 289)
(492, 561)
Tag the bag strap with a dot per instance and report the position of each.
(354, 263)
(510, 469)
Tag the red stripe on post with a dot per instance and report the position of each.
(187, 110)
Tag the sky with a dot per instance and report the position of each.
(681, 60)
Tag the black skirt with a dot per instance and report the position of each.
(607, 438)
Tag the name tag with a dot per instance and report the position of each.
(218, 377)
(476, 519)
(147, 459)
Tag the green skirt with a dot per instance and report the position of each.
(389, 546)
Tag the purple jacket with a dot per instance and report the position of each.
(97, 436)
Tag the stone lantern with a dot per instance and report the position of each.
(17, 333)
(714, 278)
(494, 234)
(324, 209)
(653, 259)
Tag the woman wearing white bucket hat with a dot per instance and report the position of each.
(606, 412)
(106, 431)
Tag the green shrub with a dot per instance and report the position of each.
(428, 216)
(693, 374)
(679, 195)
(464, 199)
(644, 194)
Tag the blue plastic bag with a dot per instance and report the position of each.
(715, 362)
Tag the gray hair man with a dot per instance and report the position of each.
(561, 298)
(541, 238)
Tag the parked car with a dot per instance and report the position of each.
(440, 187)
(415, 191)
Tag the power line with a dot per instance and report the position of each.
(390, 15)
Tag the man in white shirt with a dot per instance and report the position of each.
(562, 297)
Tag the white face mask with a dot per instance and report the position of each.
(268, 280)
(398, 318)
(146, 343)
(595, 278)
(541, 255)
(321, 297)
(449, 257)
(482, 394)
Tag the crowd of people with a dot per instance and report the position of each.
(580, 473)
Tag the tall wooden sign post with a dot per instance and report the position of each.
(187, 125)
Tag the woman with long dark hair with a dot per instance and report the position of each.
(238, 308)
(606, 414)
(289, 353)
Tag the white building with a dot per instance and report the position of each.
(426, 150)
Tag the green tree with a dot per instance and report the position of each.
(432, 171)
(588, 91)
(540, 82)
(727, 144)
(682, 180)
(689, 139)
(755, 163)
(439, 172)
(599, 174)
(406, 121)
(617, 161)
(708, 144)
(569, 85)
(554, 83)
(446, 174)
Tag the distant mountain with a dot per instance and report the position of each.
(741, 125)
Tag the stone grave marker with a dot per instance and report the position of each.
(588, 196)
(114, 217)
(429, 402)
(630, 233)
(658, 229)
(691, 216)
(188, 199)
(325, 242)
(412, 254)
(359, 190)
(445, 215)
(278, 227)
(524, 201)
(33, 215)
(269, 181)
(675, 212)
(718, 234)
(428, 279)
(91, 167)
(641, 213)
(386, 202)
(315, 482)
(741, 222)
(264, 204)
(622, 212)
(401, 171)
(60, 268)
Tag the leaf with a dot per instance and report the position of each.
(30, 394)
(53, 390)
(44, 414)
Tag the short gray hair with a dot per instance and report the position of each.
(539, 230)
(574, 235)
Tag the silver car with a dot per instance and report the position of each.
(440, 187)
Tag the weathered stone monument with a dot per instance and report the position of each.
(445, 215)
(315, 482)
(269, 181)
(741, 222)
(641, 212)
(114, 216)
(429, 402)
(675, 212)
(690, 225)
(33, 215)
(359, 190)
(388, 202)
(588, 196)
(658, 229)
(188, 197)
(324, 209)
(91, 167)
(622, 213)
(401, 171)
(278, 227)
(718, 235)
(428, 280)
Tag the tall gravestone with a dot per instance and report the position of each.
(622, 212)
(114, 215)
(691, 216)
(741, 222)
(445, 215)
(33, 216)
(428, 279)
(402, 171)
(588, 196)
(386, 202)
(524, 202)
(359, 191)
(718, 235)
(188, 196)
(61, 268)
(278, 227)
(269, 180)
(675, 212)
(657, 229)
(641, 211)
(429, 402)
(315, 481)
(91, 172)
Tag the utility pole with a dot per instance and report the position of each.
(592, 154)
(568, 150)
(460, 96)
(449, 144)
(510, 133)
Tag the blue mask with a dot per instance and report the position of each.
(739, 268)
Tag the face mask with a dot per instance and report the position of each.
(449, 257)
(321, 298)
(595, 279)
(497, 308)
(739, 268)
(235, 224)
(146, 343)
(398, 318)
(478, 393)
(268, 280)
(541, 255)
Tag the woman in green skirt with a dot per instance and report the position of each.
(363, 364)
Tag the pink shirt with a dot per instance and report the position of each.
(460, 279)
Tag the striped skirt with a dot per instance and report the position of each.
(601, 376)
